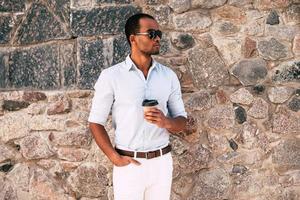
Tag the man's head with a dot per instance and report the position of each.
(143, 34)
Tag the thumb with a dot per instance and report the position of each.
(133, 161)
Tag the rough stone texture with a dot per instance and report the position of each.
(74, 155)
(296, 45)
(121, 49)
(273, 18)
(240, 114)
(182, 41)
(12, 5)
(292, 14)
(279, 94)
(230, 13)
(272, 49)
(40, 25)
(221, 117)
(107, 20)
(180, 6)
(269, 4)
(192, 21)
(230, 49)
(6, 26)
(259, 109)
(89, 180)
(37, 67)
(78, 137)
(207, 67)
(160, 13)
(284, 122)
(287, 72)
(35, 147)
(63, 105)
(282, 32)
(242, 96)
(286, 155)
(225, 28)
(11, 105)
(249, 48)
(250, 71)
(207, 3)
(199, 101)
(294, 104)
(91, 61)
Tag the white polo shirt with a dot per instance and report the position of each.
(121, 89)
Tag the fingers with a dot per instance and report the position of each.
(133, 161)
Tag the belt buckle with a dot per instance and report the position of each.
(150, 154)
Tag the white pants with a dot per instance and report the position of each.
(152, 180)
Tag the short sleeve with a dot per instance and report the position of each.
(102, 100)
(175, 102)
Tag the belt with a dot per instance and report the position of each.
(147, 155)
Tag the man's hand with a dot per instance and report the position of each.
(157, 117)
(121, 161)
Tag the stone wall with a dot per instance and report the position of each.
(239, 66)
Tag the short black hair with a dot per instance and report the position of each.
(132, 25)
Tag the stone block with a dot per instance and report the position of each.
(107, 20)
(250, 71)
(40, 25)
(12, 6)
(121, 49)
(273, 49)
(286, 72)
(6, 26)
(192, 21)
(207, 67)
(91, 61)
(36, 67)
(286, 155)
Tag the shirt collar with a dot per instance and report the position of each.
(129, 64)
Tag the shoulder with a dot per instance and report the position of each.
(112, 71)
(167, 70)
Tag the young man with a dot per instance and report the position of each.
(141, 157)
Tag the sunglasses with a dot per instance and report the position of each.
(152, 34)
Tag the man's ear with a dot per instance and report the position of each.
(132, 39)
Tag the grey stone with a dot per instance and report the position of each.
(107, 20)
(241, 96)
(192, 21)
(7, 191)
(207, 68)
(240, 114)
(287, 72)
(91, 62)
(160, 13)
(233, 144)
(40, 25)
(250, 71)
(180, 6)
(272, 49)
(273, 18)
(238, 169)
(225, 28)
(221, 117)
(72, 154)
(292, 13)
(286, 155)
(279, 94)
(240, 3)
(89, 179)
(11, 105)
(285, 122)
(294, 104)
(3, 70)
(6, 166)
(67, 61)
(77, 137)
(282, 32)
(37, 67)
(258, 89)
(12, 5)
(199, 101)
(61, 8)
(121, 49)
(259, 109)
(112, 1)
(207, 3)
(6, 26)
(35, 147)
(182, 41)
(211, 184)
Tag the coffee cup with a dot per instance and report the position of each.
(149, 103)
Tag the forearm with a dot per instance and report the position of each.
(175, 125)
(102, 139)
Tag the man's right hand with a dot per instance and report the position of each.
(121, 161)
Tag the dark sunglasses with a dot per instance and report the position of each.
(152, 34)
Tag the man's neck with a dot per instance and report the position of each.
(142, 62)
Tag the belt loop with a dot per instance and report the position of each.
(161, 153)
(134, 155)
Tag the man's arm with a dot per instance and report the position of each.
(173, 125)
(102, 139)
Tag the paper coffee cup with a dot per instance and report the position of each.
(149, 103)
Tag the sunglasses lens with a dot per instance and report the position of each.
(153, 34)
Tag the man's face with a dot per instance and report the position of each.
(143, 43)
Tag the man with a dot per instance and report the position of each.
(142, 160)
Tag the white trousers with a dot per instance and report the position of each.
(152, 180)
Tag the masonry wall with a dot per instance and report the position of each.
(238, 62)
